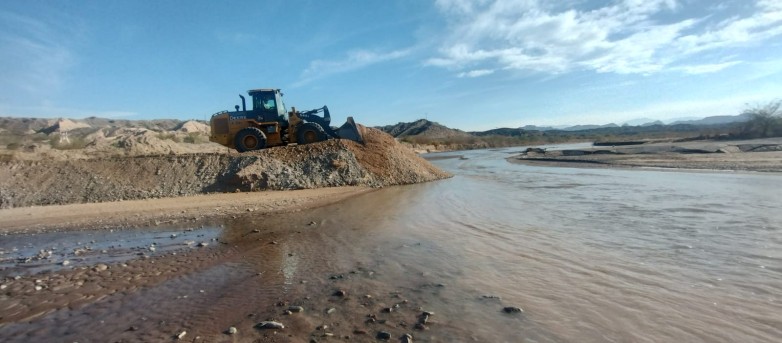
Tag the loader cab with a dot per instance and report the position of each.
(268, 106)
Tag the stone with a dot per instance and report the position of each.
(100, 267)
(232, 330)
(65, 263)
(511, 309)
(383, 335)
(340, 293)
(331, 310)
(181, 335)
(406, 338)
(269, 325)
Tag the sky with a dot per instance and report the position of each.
(472, 65)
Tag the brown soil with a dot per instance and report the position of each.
(380, 162)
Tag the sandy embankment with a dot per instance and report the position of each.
(760, 155)
(153, 212)
(149, 190)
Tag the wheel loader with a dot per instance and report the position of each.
(269, 124)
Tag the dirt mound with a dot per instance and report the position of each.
(193, 126)
(380, 162)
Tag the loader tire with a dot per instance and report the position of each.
(310, 133)
(249, 138)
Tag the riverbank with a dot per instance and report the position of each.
(155, 212)
(762, 155)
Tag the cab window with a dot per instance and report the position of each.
(264, 102)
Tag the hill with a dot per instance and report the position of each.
(36, 138)
(427, 136)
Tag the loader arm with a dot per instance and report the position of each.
(349, 130)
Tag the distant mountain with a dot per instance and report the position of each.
(652, 123)
(541, 128)
(716, 120)
(589, 127)
(422, 128)
(639, 121)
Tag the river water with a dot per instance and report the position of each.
(590, 255)
(606, 254)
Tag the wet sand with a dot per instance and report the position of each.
(260, 268)
(153, 212)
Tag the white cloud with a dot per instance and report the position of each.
(353, 60)
(624, 37)
(476, 73)
(707, 68)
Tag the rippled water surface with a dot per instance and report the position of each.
(610, 255)
(591, 255)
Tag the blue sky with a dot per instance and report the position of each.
(472, 65)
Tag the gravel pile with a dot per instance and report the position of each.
(380, 162)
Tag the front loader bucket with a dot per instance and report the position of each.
(350, 130)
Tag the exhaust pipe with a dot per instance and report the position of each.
(244, 105)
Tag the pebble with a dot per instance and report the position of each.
(340, 293)
(65, 263)
(269, 325)
(331, 310)
(231, 330)
(511, 309)
(296, 309)
(100, 267)
(181, 335)
(383, 335)
(406, 338)
(203, 244)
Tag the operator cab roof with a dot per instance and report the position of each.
(263, 90)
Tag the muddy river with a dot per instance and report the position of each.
(589, 255)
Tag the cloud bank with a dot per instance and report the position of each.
(623, 37)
